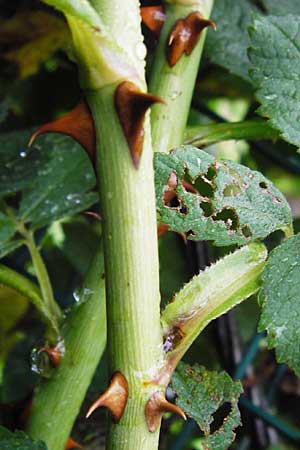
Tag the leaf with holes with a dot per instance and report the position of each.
(18, 441)
(280, 301)
(275, 71)
(209, 398)
(227, 47)
(220, 201)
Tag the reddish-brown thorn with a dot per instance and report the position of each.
(185, 35)
(54, 354)
(72, 444)
(78, 124)
(162, 229)
(114, 398)
(131, 106)
(94, 215)
(156, 406)
(154, 17)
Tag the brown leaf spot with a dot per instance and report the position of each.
(131, 106)
(114, 398)
(185, 35)
(78, 124)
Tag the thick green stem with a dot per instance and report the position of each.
(43, 277)
(131, 265)
(174, 85)
(252, 130)
(57, 401)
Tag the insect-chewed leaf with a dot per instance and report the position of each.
(220, 201)
(280, 301)
(207, 397)
(18, 441)
(275, 56)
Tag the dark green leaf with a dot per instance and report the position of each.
(202, 394)
(55, 177)
(18, 441)
(282, 8)
(275, 71)
(280, 302)
(227, 47)
(231, 205)
(61, 185)
(7, 228)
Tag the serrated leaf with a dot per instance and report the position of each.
(231, 203)
(201, 394)
(282, 8)
(227, 47)
(18, 441)
(280, 301)
(275, 71)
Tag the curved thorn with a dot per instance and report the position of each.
(154, 18)
(156, 406)
(94, 215)
(185, 35)
(78, 124)
(131, 106)
(114, 398)
(72, 444)
(54, 354)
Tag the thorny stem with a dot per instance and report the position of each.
(131, 267)
(57, 401)
(174, 85)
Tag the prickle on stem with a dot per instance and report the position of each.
(185, 35)
(78, 124)
(131, 105)
(154, 18)
(72, 444)
(156, 406)
(54, 354)
(114, 398)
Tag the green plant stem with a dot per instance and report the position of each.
(174, 85)
(210, 294)
(42, 276)
(252, 130)
(57, 401)
(131, 265)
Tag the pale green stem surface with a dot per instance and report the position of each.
(57, 401)
(210, 294)
(174, 85)
(253, 130)
(131, 265)
(43, 277)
